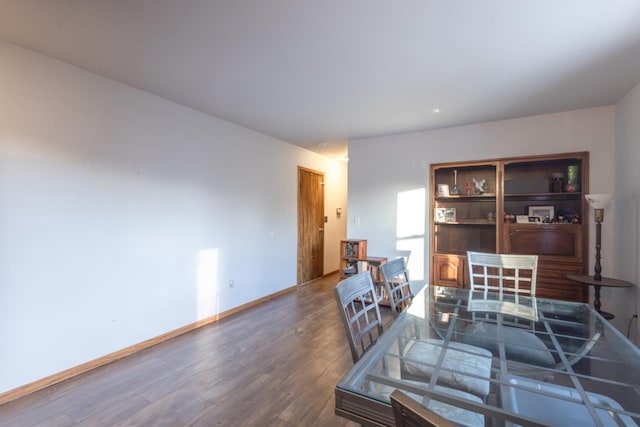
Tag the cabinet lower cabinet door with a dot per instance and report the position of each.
(552, 282)
(449, 270)
(555, 242)
(560, 252)
(566, 293)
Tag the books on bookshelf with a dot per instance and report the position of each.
(350, 268)
(355, 267)
(351, 249)
(354, 259)
(373, 269)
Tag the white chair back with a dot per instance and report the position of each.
(502, 283)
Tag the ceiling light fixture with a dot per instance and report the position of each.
(436, 110)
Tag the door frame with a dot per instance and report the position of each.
(299, 233)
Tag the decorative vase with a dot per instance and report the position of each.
(573, 184)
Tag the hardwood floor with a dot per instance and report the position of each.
(275, 364)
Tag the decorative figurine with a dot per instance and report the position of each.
(455, 190)
(479, 185)
(468, 187)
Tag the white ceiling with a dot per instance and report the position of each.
(307, 71)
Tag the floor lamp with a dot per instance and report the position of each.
(598, 202)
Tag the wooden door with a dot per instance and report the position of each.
(310, 225)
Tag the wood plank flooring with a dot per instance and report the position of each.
(275, 364)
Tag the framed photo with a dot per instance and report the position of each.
(445, 215)
(528, 219)
(542, 211)
(443, 190)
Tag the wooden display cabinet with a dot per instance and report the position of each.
(351, 251)
(354, 259)
(462, 220)
(472, 220)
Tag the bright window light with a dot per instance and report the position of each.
(410, 229)
(415, 263)
(411, 213)
(207, 283)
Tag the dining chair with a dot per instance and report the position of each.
(502, 291)
(395, 277)
(408, 412)
(503, 283)
(460, 366)
(464, 367)
(360, 313)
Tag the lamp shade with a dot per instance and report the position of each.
(598, 201)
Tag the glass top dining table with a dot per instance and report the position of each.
(564, 366)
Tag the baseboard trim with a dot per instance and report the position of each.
(40, 384)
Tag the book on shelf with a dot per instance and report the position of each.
(351, 250)
(350, 268)
(357, 266)
(373, 269)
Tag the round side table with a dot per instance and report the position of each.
(607, 282)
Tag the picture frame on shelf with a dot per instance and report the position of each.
(445, 215)
(443, 190)
(528, 219)
(544, 212)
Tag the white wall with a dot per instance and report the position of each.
(381, 169)
(336, 227)
(123, 216)
(626, 207)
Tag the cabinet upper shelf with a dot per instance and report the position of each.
(564, 195)
(469, 197)
(467, 222)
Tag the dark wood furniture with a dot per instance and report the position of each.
(607, 282)
(354, 259)
(484, 220)
(351, 251)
